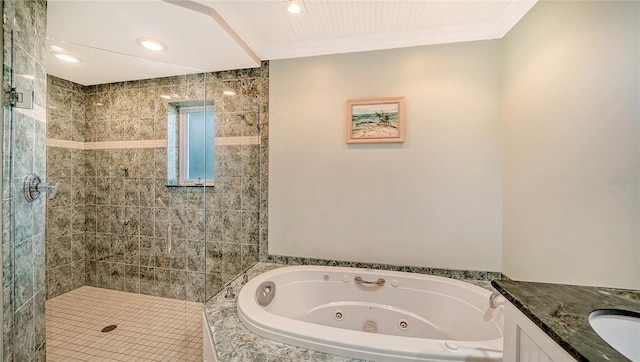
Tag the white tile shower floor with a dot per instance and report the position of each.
(149, 328)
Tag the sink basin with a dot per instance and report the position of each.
(619, 328)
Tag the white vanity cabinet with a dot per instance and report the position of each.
(526, 342)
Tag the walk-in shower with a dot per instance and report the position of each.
(160, 183)
(123, 218)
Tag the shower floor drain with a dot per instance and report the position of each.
(109, 328)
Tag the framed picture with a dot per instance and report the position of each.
(375, 120)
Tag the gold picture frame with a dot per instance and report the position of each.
(375, 120)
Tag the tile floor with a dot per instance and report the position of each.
(149, 328)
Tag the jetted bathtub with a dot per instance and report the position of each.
(373, 314)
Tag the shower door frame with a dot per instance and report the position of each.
(1, 173)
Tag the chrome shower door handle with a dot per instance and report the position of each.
(33, 186)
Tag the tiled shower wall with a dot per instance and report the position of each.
(116, 222)
(23, 237)
(65, 213)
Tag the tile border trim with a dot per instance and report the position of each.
(237, 141)
(161, 143)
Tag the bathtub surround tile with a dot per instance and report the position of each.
(448, 273)
(497, 276)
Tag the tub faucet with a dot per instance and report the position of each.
(230, 294)
(492, 299)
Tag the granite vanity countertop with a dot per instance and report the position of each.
(562, 312)
(235, 343)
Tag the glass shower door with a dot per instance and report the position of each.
(24, 152)
(233, 205)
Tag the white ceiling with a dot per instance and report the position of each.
(220, 35)
(103, 33)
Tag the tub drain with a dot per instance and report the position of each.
(109, 328)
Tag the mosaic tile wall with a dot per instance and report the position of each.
(23, 237)
(122, 219)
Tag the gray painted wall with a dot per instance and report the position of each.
(571, 144)
(433, 201)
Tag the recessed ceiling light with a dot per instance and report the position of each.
(229, 92)
(294, 7)
(165, 96)
(67, 57)
(151, 44)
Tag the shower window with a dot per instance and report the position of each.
(191, 142)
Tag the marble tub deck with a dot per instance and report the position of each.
(235, 343)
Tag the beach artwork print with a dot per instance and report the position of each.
(375, 120)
